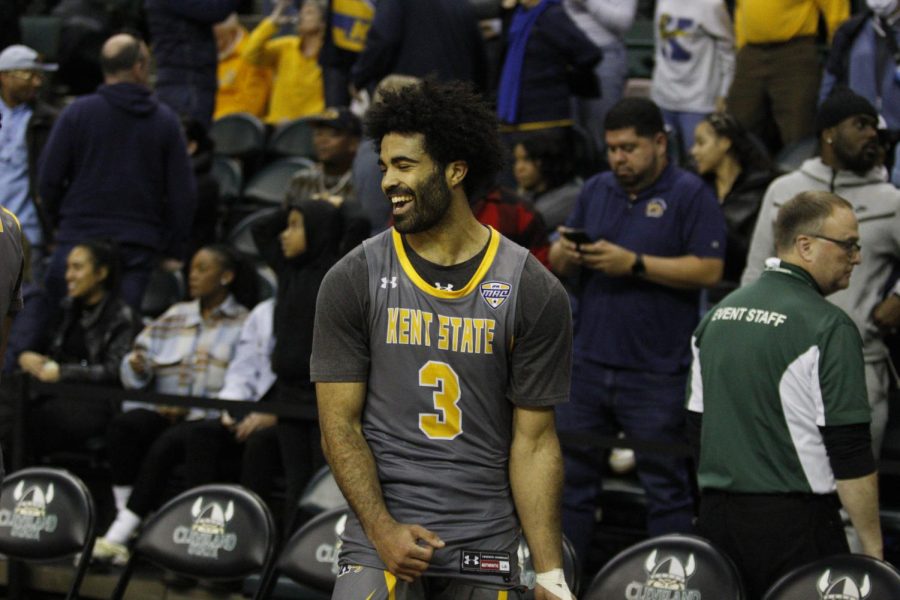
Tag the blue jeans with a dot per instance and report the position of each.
(612, 73)
(645, 406)
(682, 123)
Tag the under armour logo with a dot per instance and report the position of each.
(385, 281)
(470, 560)
(447, 288)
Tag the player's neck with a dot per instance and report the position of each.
(456, 239)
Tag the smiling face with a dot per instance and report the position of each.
(709, 148)
(83, 279)
(293, 238)
(413, 182)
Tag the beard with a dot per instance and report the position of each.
(862, 161)
(431, 201)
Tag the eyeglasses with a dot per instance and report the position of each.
(848, 246)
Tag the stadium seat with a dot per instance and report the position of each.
(238, 135)
(271, 184)
(294, 138)
(46, 514)
(164, 289)
(309, 557)
(240, 236)
(216, 532)
(678, 563)
(839, 577)
(227, 173)
(42, 33)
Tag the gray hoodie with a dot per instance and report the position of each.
(877, 207)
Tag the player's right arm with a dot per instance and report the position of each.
(405, 549)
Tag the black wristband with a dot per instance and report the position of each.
(638, 267)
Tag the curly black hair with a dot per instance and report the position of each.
(552, 149)
(456, 122)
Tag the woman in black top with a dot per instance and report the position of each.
(93, 331)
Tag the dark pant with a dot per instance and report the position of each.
(767, 535)
(56, 424)
(129, 438)
(645, 406)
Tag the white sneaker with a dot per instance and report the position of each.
(110, 553)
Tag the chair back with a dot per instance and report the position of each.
(271, 184)
(792, 156)
(238, 135)
(164, 289)
(294, 138)
(241, 235)
(227, 173)
(310, 556)
(211, 532)
(47, 514)
(321, 493)
(684, 564)
(839, 577)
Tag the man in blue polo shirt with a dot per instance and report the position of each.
(657, 237)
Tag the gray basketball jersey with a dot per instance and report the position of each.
(437, 417)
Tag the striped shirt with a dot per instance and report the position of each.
(187, 355)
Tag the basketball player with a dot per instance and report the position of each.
(440, 349)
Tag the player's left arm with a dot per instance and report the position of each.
(536, 476)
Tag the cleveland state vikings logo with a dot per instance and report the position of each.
(29, 517)
(843, 588)
(207, 534)
(666, 580)
(495, 293)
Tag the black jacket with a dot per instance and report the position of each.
(109, 330)
(42, 118)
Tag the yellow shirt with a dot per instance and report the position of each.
(768, 21)
(297, 89)
(243, 87)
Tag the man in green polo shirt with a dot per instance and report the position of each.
(777, 404)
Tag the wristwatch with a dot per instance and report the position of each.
(638, 267)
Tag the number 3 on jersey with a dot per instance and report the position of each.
(448, 423)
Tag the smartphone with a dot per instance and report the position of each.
(579, 236)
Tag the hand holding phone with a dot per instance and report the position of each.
(578, 236)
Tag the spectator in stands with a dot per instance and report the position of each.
(545, 174)
(659, 237)
(546, 55)
(438, 38)
(694, 63)
(184, 352)
(849, 166)
(864, 57)
(514, 217)
(243, 87)
(777, 70)
(185, 52)
(347, 24)
(26, 126)
(297, 85)
(300, 244)
(605, 23)
(91, 334)
(116, 167)
(336, 136)
(740, 171)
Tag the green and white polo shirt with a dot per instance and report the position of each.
(773, 362)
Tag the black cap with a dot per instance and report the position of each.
(843, 103)
(339, 118)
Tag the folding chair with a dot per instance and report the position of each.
(215, 532)
(46, 514)
(682, 564)
(839, 577)
(271, 184)
(310, 556)
(294, 138)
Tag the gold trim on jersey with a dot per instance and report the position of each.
(390, 582)
(482, 270)
(14, 217)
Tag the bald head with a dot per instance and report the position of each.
(124, 58)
